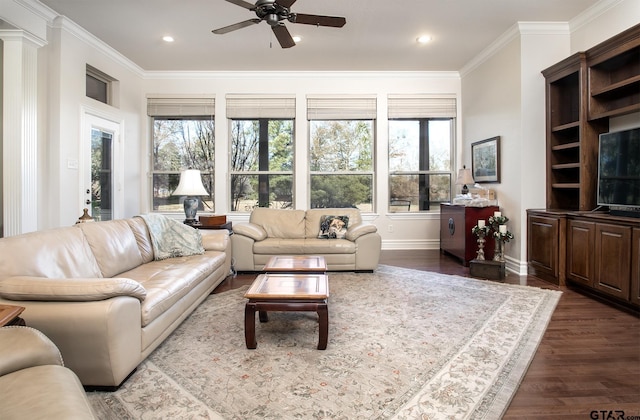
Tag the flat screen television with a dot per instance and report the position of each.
(619, 172)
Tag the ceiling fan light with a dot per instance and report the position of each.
(423, 39)
(168, 38)
(297, 38)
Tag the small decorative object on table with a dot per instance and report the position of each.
(480, 230)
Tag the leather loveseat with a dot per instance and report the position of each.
(272, 232)
(34, 384)
(98, 292)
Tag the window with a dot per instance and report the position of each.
(420, 152)
(261, 151)
(98, 85)
(183, 138)
(341, 151)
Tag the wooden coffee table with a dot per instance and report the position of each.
(287, 292)
(10, 315)
(295, 264)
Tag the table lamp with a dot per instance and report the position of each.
(191, 186)
(464, 178)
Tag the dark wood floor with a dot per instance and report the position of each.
(588, 360)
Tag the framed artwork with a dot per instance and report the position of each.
(485, 160)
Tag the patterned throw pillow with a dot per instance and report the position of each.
(333, 227)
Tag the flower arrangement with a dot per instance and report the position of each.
(505, 236)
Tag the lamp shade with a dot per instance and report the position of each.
(190, 184)
(464, 177)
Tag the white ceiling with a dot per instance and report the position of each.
(380, 35)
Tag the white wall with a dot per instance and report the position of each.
(62, 79)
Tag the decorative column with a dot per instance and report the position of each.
(20, 131)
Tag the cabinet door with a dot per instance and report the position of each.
(580, 238)
(545, 235)
(613, 260)
(635, 266)
(452, 235)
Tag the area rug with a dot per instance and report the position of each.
(403, 344)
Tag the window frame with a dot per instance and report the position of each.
(424, 158)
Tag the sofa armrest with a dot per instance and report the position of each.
(253, 231)
(25, 347)
(356, 231)
(69, 289)
(215, 240)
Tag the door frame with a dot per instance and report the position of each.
(92, 118)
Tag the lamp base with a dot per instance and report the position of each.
(465, 189)
(190, 210)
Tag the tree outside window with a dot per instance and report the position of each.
(261, 164)
(419, 163)
(341, 164)
(178, 144)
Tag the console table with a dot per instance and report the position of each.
(456, 238)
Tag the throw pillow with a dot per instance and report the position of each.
(333, 227)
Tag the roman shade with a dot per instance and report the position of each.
(421, 106)
(183, 106)
(260, 106)
(341, 107)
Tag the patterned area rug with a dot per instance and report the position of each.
(403, 344)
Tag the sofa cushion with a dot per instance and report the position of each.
(72, 290)
(313, 216)
(169, 280)
(312, 246)
(54, 253)
(114, 246)
(333, 227)
(280, 223)
(141, 233)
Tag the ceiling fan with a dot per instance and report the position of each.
(274, 12)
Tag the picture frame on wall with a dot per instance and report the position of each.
(485, 160)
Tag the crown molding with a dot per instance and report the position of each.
(288, 75)
(592, 13)
(64, 23)
(513, 33)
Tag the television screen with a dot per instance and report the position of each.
(619, 169)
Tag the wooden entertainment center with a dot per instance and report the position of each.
(569, 242)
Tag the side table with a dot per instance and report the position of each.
(10, 315)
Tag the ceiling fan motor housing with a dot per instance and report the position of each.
(271, 11)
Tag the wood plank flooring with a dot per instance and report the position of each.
(588, 360)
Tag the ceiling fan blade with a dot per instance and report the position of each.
(286, 3)
(283, 36)
(236, 26)
(334, 21)
(242, 3)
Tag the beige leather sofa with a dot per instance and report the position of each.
(97, 292)
(295, 232)
(34, 384)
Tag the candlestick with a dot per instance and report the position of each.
(497, 214)
(503, 228)
(481, 223)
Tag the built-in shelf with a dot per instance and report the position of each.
(565, 146)
(574, 185)
(566, 166)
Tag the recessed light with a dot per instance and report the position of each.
(297, 38)
(167, 38)
(423, 39)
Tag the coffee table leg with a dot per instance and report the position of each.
(263, 316)
(250, 325)
(323, 326)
